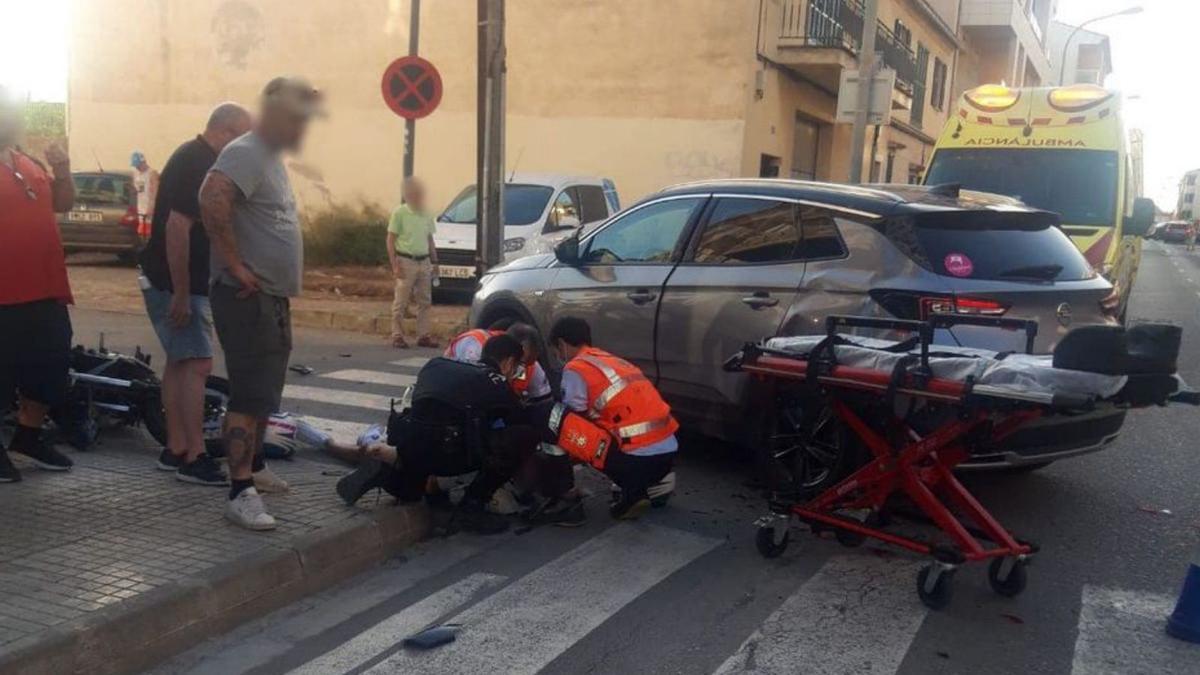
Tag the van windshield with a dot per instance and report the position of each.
(523, 204)
(1079, 185)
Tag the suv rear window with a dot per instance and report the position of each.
(103, 189)
(985, 246)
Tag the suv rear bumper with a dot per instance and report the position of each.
(1053, 438)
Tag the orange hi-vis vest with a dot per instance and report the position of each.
(479, 334)
(622, 401)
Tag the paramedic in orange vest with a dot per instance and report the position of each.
(532, 385)
(613, 418)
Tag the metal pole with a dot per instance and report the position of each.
(410, 126)
(866, 79)
(490, 134)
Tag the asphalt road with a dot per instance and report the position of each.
(684, 590)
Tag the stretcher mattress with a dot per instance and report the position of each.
(1018, 373)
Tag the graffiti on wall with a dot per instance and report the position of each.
(238, 31)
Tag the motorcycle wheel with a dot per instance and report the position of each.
(155, 419)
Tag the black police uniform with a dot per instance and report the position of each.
(464, 418)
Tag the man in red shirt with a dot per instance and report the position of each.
(35, 329)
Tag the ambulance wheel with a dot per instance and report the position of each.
(769, 545)
(1011, 586)
(937, 597)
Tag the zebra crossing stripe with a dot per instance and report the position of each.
(1121, 632)
(857, 614)
(527, 624)
(354, 399)
(386, 634)
(372, 377)
(411, 362)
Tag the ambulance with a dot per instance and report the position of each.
(1061, 149)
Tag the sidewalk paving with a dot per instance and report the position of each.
(115, 565)
(101, 284)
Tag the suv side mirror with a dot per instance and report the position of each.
(1139, 223)
(567, 250)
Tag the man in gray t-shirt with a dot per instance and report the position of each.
(265, 225)
(249, 212)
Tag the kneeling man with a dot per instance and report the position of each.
(464, 417)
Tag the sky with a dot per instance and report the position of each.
(33, 60)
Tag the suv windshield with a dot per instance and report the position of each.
(970, 246)
(523, 204)
(103, 189)
(1079, 185)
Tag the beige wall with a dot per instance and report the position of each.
(771, 122)
(648, 93)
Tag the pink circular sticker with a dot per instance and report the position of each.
(958, 264)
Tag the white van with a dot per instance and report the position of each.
(540, 210)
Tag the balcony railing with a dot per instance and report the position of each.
(839, 24)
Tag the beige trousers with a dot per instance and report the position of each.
(416, 287)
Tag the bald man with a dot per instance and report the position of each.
(175, 287)
(414, 263)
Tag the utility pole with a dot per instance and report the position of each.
(868, 67)
(489, 176)
(410, 126)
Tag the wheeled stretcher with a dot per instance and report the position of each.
(866, 429)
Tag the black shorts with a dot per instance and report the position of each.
(256, 336)
(35, 352)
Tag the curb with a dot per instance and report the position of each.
(134, 635)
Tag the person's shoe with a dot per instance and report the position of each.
(359, 482)
(427, 341)
(561, 512)
(399, 343)
(203, 470)
(169, 461)
(629, 509)
(503, 502)
(659, 493)
(247, 510)
(8, 472)
(471, 516)
(268, 482)
(43, 455)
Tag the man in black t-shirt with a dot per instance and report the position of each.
(175, 286)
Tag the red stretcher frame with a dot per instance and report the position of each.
(922, 468)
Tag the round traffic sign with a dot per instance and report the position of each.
(411, 87)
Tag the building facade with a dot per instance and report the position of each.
(1187, 208)
(1079, 56)
(646, 93)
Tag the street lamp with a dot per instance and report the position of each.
(1062, 64)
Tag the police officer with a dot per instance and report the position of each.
(530, 383)
(613, 418)
(464, 417)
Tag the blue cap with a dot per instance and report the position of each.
(136, 158)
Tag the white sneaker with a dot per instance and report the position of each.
(268, 482)
(248, 511)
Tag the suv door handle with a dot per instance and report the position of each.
(641, 296)
(760, 300)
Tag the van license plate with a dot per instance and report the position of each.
(85, 216)
(456, 271)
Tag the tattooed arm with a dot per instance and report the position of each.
(217, 197)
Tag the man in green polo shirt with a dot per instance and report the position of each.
(414, 263)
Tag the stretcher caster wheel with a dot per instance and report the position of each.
(1014, 576)
(935, 585)
(769, 543)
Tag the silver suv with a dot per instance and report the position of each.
(683, 279)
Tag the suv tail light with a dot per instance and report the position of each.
(952, 305)
(130, 219)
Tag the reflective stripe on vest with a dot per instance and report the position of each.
(479, 334)
(616, 383)
(632, 431)
(556, 415)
